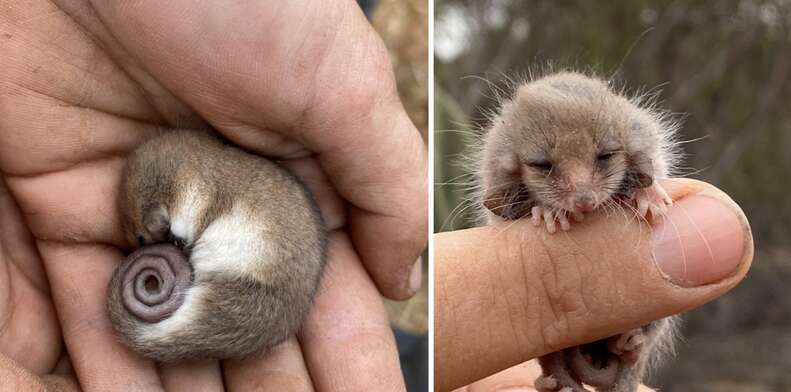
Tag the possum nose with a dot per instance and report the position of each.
(584, 202)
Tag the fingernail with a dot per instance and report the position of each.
(700, 240)
(416, 276)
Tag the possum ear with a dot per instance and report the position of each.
(643, 180)
(157, 222)
(511, 202)
(640, 173)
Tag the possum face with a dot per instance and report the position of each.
(568, 143)
(576, 173)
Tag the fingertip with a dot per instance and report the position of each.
(704, 238)
(390, 253)
(381, 169)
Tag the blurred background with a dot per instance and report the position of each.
(403, 25)
(724, 66)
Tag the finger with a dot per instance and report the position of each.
(282, 368)
(534, 294)
(341, 103)
(193, 376)
(18, 243)
(62, 378)
(347, 341)
(89, 216)
(518, 378)
(29, 331)
(331, 205)
(25, 304)
(16, 378)
(388, 222)
(78, 276)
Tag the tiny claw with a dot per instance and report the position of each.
(536, 216)
(578, 216)
(653, 200)
(550, 221)
(564, 222)
(642, 207)
(551, 227)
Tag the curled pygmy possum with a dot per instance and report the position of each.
(564, 145)
(231, 250)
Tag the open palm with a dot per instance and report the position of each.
(307, 81)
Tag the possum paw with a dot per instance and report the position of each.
(547, 383)
(556, 375)
(553, 218)
(550, 384)
(627, 346)
(653, 200)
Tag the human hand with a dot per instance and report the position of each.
(31, 355)
(30, 341)
(510, 292)
(85, 83)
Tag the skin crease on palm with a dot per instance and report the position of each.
(84, 83)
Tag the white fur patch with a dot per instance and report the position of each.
(182, 318)
(188, 208)
(234, 243)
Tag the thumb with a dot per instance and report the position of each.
(511, 292)
(326, 82)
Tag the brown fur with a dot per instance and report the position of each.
(567, 140)
(238, 314)
(568, 120)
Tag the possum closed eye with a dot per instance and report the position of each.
(232, 248)
(565, 145)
